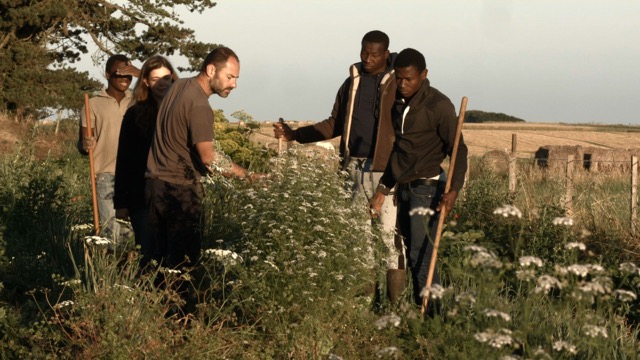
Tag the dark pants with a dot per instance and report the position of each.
(175, 214)
(419, 230)
(143, 234)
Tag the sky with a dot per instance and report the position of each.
(570, 61)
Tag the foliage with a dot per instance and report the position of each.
(39, 39)
(285, 270)
(477, 116)
(234, 141)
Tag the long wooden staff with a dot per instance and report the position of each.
(443, 210)
(92, 169)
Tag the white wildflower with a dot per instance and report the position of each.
(73, 282)
(227, 257)
(485, 259)
(421, 211)
(595, 287)
(437, 291)
(81, 227)
(575, 245)
(388, 352)
(561, 270)
(546, 283)
(475, 248)
(272, 265)
(629, 268)
(496, 313)
(124, 287)
(561, 345)
(322, 254)
(526, 274)
(388, 320)
(540, 352)
(97, 240)
(595, 268)
(625, 295)
(595, 331)
(495, 339)
(169, 271)
(578, 269)
(525, 261)
(465, 298)
(62, 304)
(508, 210)
(565, 221)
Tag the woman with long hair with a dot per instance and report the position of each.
(156, 76)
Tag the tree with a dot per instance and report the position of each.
(40, 39)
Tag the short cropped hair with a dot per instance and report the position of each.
(376, 37)
(410, 57)
(113, 59)
(218, 57)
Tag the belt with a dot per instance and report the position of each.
(418, 182)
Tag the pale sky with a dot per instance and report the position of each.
(566, 61)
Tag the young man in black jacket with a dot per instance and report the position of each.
(361, 116)
(425, 125)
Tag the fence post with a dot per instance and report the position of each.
(634, 193)
(514, 143)
(513, 181)
(568, 199)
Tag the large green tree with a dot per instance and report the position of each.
(41, 39)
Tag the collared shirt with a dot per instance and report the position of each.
(106, 119)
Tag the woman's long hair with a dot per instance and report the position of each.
(144, 99)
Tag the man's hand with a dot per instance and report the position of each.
(122, 214)
(447, 201)
(88, 143)
(375, 204)
(282, 130)
(128, 69)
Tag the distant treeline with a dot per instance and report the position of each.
(477, 116)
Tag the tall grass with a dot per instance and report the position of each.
(287, 268)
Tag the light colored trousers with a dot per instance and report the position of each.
(365, 182)
(109, 227)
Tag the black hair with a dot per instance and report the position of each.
(218, 57)
(113, 59)
(377, 37)
(410, 57)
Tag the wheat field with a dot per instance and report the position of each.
(482, 138)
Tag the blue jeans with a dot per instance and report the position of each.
(110, 228)
(419, 230)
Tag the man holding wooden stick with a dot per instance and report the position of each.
(425, 125)
(106, 110)
(361, 117)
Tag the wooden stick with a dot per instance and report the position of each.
(443, 210)
(92, 169)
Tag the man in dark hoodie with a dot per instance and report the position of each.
(425, 125)
(361, 116)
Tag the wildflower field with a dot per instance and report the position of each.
(287, 273)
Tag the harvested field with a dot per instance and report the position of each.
(482, 138)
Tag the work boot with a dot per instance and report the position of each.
(396, 283)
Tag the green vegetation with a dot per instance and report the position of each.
(477, 116)
(40, 39)
(285, 273)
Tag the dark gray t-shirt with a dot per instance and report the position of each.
(184, 119)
